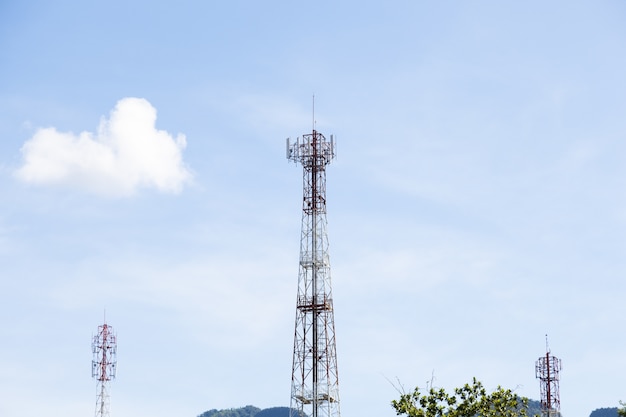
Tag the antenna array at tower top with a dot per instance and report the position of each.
(312, 150)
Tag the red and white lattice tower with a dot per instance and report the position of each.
(103, 366)
(314, 380)
(547, 370)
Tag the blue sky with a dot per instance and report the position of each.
(478, 201)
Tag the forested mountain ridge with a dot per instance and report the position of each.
(534, 408)
(248, 411)
(604, 412)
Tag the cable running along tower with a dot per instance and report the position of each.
(103, 365)
(314, 379)
(547, 370)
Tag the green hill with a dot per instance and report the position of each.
(534, 409)
(604, 412)
(274, 412)
(248, 411)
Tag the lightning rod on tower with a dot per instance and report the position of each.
(314, 380)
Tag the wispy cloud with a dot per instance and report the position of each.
(126, 153)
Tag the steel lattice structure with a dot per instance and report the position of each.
(103, 366)
(314, 381)
(547, 370)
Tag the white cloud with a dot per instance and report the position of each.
(125, 154)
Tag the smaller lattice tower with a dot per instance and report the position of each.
(547, 370)
(103, 366)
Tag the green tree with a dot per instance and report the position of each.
(467, 401)
(621, 411)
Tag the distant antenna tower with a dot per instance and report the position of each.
(103, 365)
(314, 380)
(547, 370)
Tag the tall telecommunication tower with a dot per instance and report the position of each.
(103, 365)
(314, 380)
(547, 369)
